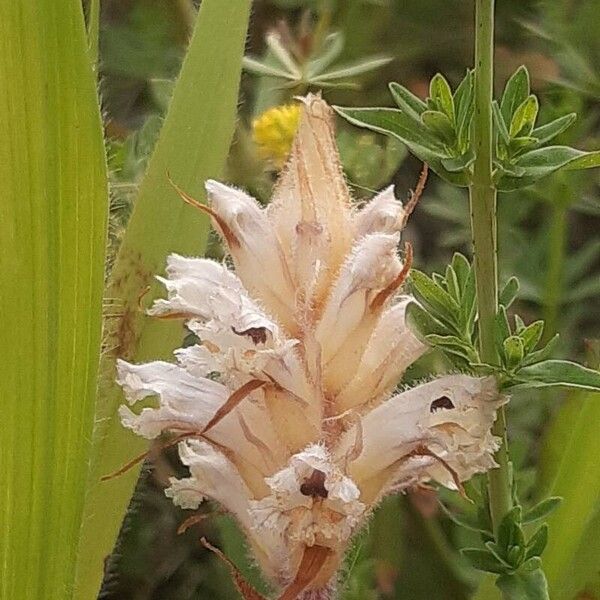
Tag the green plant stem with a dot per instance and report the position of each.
(484, 230)
(556, 263)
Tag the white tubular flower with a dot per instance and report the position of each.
(283, 407)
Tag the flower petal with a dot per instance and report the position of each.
(310, 210)
(259, 259)
(185, 402)
(330, 520)
(371, 267)
(216, 477)
(383, 214)
(451, 416)
(392, 348)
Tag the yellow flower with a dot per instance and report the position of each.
(273, 132)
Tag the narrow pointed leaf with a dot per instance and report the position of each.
(355, 69)
(539, 163)
(563, 373)
(547, 132)
(412, 133)
(331, 49)
(509, 292)
(440, 92)
(524, 117)
(53, 229)
(515, 92)
(407, 101)
(192, 147)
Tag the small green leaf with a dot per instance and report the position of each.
(330, 50)
(407, 101)
(460, 163)
(542, 509)
(509, 532)
(422, 323)
(437, 300)
(550, 373)
(500, 124)
(352, 70)
(515, 93)
(414, 134)
(513, 350)
(520, 145)
(495, 551)
(501, 327)
(464, 107)
(395, 122)
(537, 543)
(539, 163)
(586, 160)
(462, 520)
(482, 560)
(440, 92)
(520, 325)
(452, 283)
(531, 335)
(509, 292)
(469, 303)
(253, 65)
(524, 117)
(547, 132)
(440, 125)
(542, 353)
(452, 344)
(461, 267)
(524, 585)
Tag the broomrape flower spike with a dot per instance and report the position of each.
(298, 437)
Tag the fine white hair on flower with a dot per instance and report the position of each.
(284, 407)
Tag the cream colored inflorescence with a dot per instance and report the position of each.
(284, 406)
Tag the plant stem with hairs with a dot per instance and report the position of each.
(482, 193)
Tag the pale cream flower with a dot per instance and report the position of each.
(285, 404)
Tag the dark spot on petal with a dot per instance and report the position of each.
(257, 334)
(443, 402)
(314, 486)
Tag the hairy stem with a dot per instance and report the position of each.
(484, 230)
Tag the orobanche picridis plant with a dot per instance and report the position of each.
(284, 410)
(471, 140)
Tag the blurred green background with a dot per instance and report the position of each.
(548, 237)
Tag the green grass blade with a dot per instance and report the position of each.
(53, 231)
(571, 454)
(192, 147)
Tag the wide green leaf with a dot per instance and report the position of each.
(192, 147)
(53, 228)
(569, 468)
